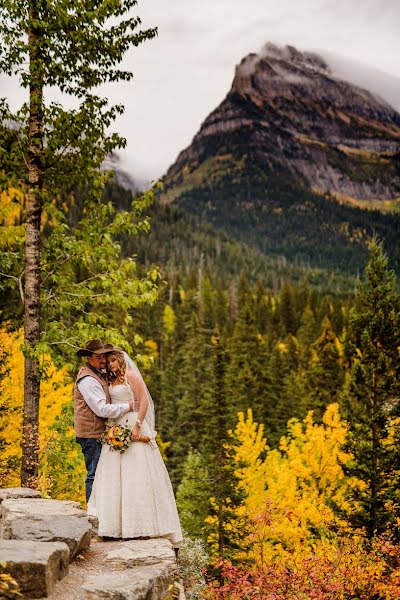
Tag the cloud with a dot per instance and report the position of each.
(185, 73)
(376, 81)
(221, 33)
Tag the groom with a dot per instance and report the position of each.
(92, 405)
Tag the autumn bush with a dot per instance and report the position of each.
(296, 539)
(350, 569)
(304, 479)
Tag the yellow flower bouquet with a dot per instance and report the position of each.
(118, 436)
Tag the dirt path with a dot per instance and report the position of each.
(85, 565)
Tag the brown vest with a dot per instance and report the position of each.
(87, 424)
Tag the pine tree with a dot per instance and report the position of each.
(372, 390)
(220, 467)
(247, 361)
(281, 398)
(325, 373)
(193, 495)
(207, 304)
(221, 309)
(287, 310)
(183, 381)
(307, 332)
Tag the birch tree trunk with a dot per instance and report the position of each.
(30, 441)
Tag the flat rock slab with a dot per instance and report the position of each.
(141, 552)
(152, 582)
(18, 492)
(45, 520)
(43, 506)
(36, 566)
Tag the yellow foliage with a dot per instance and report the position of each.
(12, 217)
(315, 453)
(163, 447)
(301, 481)
(393, 433)
(282, 347)
(251, 470)
(272, 301)
(11, 399)
(152, 349)
(339, 348)
(55, 392)
(11, 203)
(169, 320)
(222, 521)
(11, 211)
(9, 587)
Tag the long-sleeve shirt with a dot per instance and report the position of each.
(95, 398)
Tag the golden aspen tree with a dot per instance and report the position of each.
(56, 391)
(301, 486)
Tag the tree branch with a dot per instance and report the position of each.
(19, 282)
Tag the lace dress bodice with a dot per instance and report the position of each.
(122, 393)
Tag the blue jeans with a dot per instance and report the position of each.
(91, 449)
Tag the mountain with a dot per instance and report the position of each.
(289, 156)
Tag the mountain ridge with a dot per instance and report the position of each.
(280, 92)
(287, 160)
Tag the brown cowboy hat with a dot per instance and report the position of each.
(95, 347)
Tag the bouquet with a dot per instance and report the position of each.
(118, 436)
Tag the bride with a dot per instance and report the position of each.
(132, 494)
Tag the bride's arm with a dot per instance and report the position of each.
(139, 390)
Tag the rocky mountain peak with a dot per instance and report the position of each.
(285, 73)
(278, 62)
(287, 111)
(289, 53)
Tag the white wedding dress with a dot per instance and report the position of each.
(132, 495)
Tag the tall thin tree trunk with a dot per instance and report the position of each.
(30, 442)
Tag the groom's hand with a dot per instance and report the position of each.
(135, 433)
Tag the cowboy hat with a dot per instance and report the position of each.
(95, 347)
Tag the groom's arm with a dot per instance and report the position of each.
(95, 398)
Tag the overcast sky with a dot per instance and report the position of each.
(185, 73)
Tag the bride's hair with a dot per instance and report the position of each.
(120, 376)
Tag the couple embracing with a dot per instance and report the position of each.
(130, 493)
